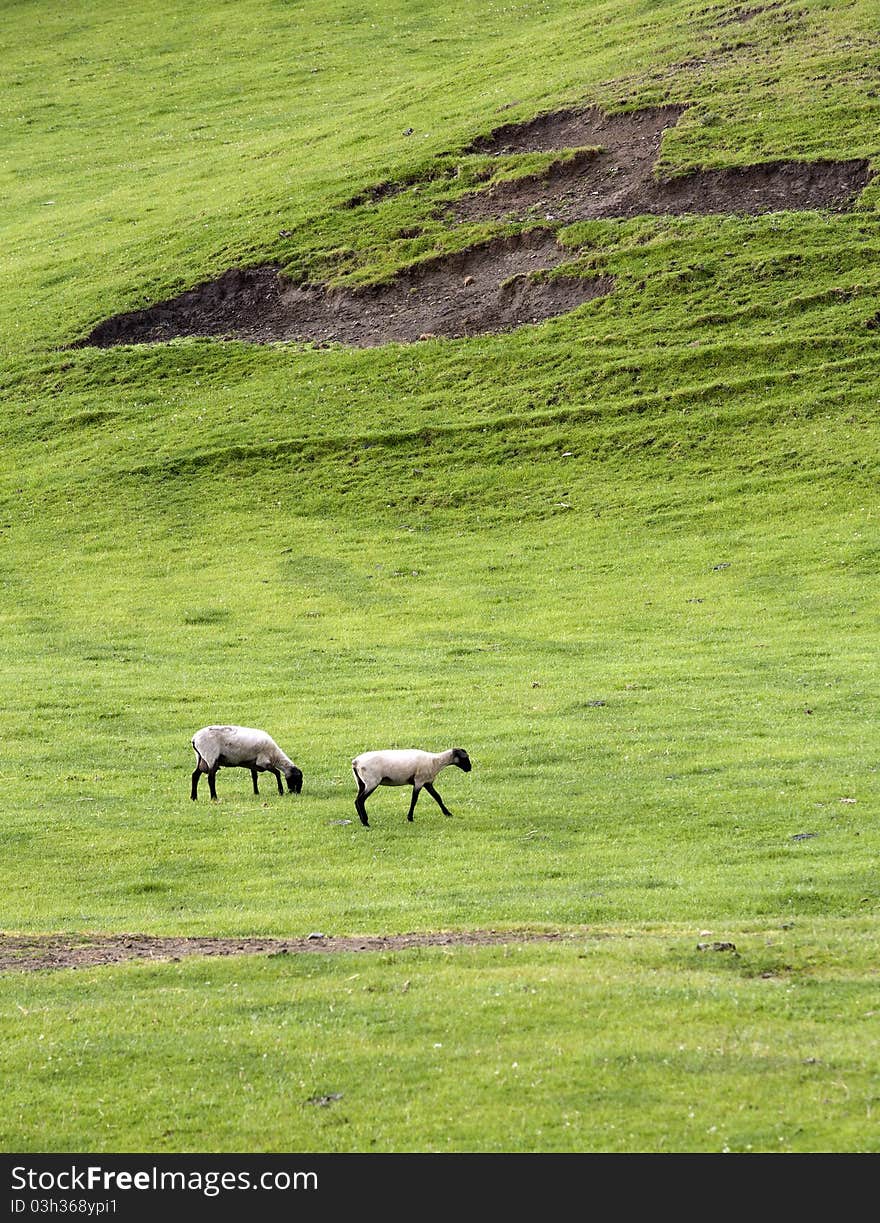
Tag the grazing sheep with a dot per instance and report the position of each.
(242, 747)
(403, 767)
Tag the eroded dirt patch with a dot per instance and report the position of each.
(613, 175)
(490, 287)
(28, 953)
(636, 135)
(606, 169)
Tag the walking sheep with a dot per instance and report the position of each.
(241, 747)
(403, 767)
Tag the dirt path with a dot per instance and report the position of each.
(29, 952)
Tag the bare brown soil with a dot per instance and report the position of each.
(636, 134)
(29, 952)
(490, 287)
(613, 175)
(608, 171)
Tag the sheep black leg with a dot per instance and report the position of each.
(254, 780)
(412, 806)
(212, 773)
(195, 783)
(360, 802)
(437, 799)
(277, 777)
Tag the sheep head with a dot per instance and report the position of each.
(461, 758)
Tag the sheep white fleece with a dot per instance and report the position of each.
(403, 767)
(243, 747)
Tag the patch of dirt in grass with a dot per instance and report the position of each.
(614, 175)
(635, 134)
(29, 952)
(608, 171)
(490, 287)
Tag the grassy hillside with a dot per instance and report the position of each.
(627, 558)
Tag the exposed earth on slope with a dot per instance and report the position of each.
(613, 175)
(606, 170)
(490, 287)
(29, 952)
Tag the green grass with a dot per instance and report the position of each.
(627, 558)
(616, 1041)
(575, 811)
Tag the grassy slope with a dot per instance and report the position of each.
(462, 541)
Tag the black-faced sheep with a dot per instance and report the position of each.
(241, 747)
(403, 767)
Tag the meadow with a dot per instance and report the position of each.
(627, 558)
